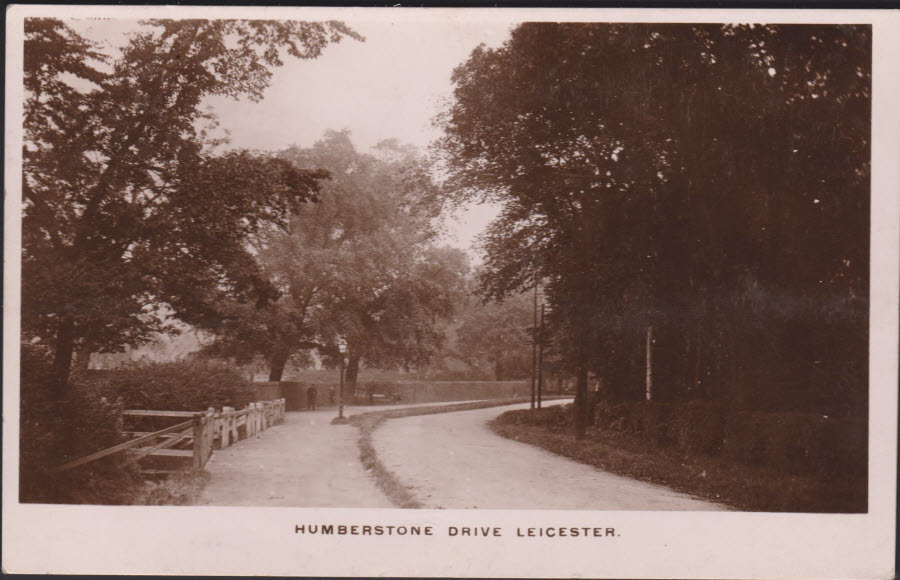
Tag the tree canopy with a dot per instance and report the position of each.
(127, 210)
(359, 264)
(708, 180)
(495, 336)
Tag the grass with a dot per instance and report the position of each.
(738, 486)
(387, 482)
(178, 489)
(108, 485)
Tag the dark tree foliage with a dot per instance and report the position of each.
(708, 181)
(495, 336)
(128, 214)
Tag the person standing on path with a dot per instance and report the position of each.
(311, 399)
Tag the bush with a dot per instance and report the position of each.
(649, 420)
(176, 386)
(555, 418)
(698, 427)
(800, 443)
(792, 443)
(52, 434)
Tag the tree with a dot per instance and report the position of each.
(126, 209)
(679, 177)
(358, 264)
(496, 334)
(402, 323)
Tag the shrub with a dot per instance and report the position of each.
(649, 420)
(799, 443)
(698, 427)
(176, 386)
(53, 433)
(556, 417)
(610, 415)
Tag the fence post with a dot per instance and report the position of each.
(227, 422)
(198, 441)
(217, 428)
(210, 433)
(251, 419)
(224, 431)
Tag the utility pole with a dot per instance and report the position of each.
(540, 388)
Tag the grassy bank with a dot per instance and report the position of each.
(387, 482)
(177, 489)
(739, 486)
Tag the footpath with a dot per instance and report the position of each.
(304, 462)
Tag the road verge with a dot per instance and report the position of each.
(738, 486)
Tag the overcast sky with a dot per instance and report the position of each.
(390, 86)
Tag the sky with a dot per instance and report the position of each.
(389, 86)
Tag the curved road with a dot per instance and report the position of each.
(455, 461)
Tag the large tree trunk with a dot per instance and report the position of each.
(277, 362)
(648, 384)
(741, 374)
(352, 374)
(698, 385)
(580, 407)
(62, 393)
(62, 359)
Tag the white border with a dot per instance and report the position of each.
(260, 541)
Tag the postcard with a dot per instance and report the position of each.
(451, 292)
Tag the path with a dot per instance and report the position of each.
(455, 461)
(304, 462)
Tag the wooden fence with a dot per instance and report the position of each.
(189, 443)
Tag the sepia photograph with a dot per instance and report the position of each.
(514, 269)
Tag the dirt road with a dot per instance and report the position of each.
(455, 461)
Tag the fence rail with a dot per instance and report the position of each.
(203, 433)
